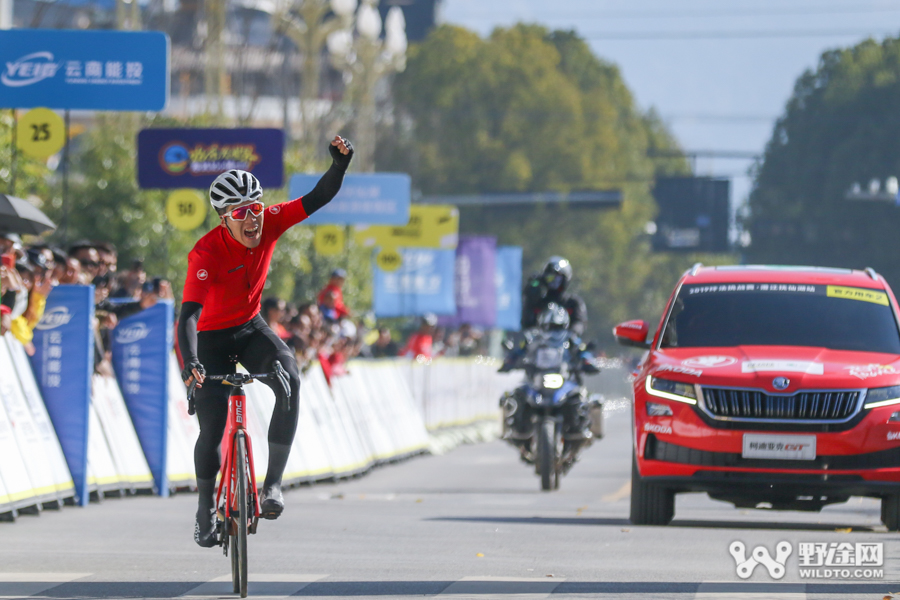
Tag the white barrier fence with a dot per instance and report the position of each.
(380, 412)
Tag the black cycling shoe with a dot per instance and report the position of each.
(272, 504)
(205, 530)
(205, 525)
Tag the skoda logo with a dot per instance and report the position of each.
(781, 383)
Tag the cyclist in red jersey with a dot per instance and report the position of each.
(220, 323)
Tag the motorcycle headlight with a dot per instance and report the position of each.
(553, 381)
(671, 390)
(883, 396)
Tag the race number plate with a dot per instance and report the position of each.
(779, 447)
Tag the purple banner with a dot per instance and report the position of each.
(476, 290)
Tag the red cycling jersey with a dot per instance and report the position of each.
(227, 278)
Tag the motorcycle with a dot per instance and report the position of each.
(550, 418)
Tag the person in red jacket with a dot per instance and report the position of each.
(421, 342)
(220, 322)
(334, 288)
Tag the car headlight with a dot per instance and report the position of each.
(883, 396)
(671, 390)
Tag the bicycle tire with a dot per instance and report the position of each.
(243, 503)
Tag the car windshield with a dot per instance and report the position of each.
(761, 314)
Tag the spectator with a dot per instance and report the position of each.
(107, 258)
(384, 346)
(273, 311)
(328, 306)
(68, 272)
(86, 254)
(38, 287)
(334, 288)
(131, 281)
(469, 340)
(420, 343)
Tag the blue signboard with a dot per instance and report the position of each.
(91, 70)
(193, 158)
(508, 260)
(141, 345)
(63, 363)
(375, 199)
(422, 284)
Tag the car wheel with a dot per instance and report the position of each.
(890, 512)
(651, 504)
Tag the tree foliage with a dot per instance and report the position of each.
(840, 126)
(528, 109)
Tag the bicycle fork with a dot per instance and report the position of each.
(236, 425)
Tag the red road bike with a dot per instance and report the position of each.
(237, 499)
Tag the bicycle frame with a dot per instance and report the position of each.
(237, 415)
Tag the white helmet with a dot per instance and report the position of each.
(234, 187)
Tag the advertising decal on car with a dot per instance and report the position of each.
(830, 291)
(678, 369)
(708, 362)
(786, 366)
(873, 370)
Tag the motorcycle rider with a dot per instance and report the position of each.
(551, 286)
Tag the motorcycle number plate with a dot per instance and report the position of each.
(779, 447)
(547, 358)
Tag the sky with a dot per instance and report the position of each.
(719, 72)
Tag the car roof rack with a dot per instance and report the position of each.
(871, 273)
(696, 268)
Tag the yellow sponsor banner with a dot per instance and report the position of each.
(432, 226)
(41, 133)
(329, 240)
(389, 260)
(852, 293)
(186, 209)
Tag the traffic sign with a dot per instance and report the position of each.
(329, 240)
(186, 209)
(435, 226)
(378, 198)
(40, 133)
(389, 260)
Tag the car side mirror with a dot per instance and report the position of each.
(632, 333)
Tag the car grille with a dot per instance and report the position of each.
(807, 406)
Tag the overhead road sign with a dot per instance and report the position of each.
(193, 158)
(585, 199)
(434, 226)
(374, 199)
(85, 70)
(694, 214)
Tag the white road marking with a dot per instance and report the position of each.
(17, 585)
(507, 588)
(270, 586)
(710, 590)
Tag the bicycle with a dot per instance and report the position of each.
(237, 498)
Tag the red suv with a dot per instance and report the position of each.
(774, 387)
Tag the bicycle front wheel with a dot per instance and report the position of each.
(241, 515)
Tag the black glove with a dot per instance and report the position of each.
(187, 373)
(284, 381)
(341, 161)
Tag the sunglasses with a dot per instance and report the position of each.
(240, 214)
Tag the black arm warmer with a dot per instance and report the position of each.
(187, 331)
(324, 191)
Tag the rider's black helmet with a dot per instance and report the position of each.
(554, 317)
(557, 273)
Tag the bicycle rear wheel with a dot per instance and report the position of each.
(241, 516)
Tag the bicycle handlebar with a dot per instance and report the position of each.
(237, 380)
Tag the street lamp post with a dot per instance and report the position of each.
(365, 59)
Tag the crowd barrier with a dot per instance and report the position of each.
(67, 433)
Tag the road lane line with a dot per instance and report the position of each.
(505, 588)
(711, 590)
(17, 585)
(270, 586)
(620, 494)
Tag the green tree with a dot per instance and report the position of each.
(840, 126)
(528, 109)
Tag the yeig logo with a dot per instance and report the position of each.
(760, 555)
(29, 69)
(132, 333)
(53, 318)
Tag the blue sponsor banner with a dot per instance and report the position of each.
(90, 70)
(63, 363)
(509, 287)
(141, 345)
(193, 158)
(422, 284)
(375, 199)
